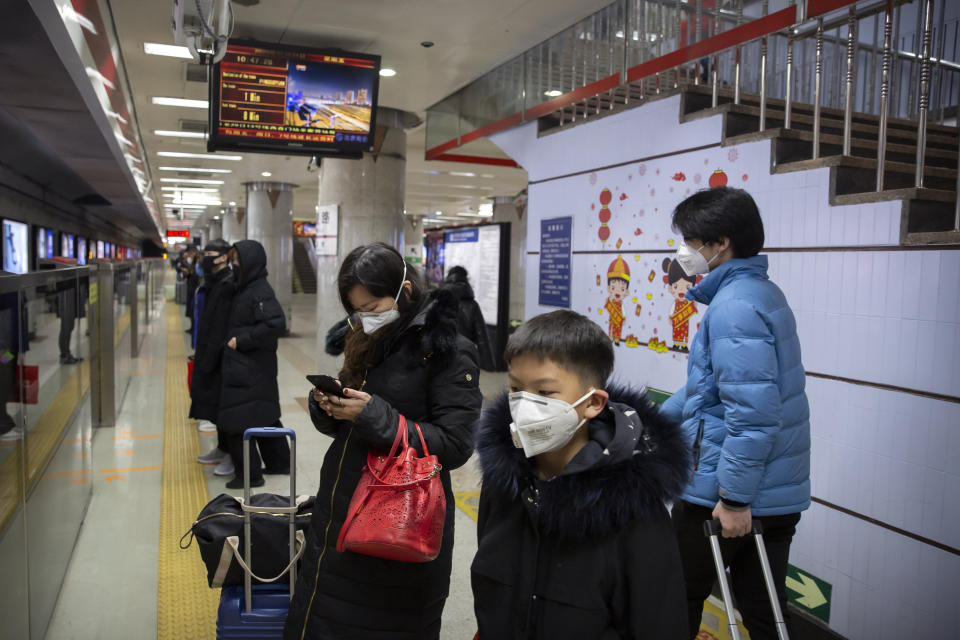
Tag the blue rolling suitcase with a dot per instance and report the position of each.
(260, 611)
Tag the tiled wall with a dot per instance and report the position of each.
(868, 311)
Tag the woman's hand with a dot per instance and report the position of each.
(232, 344)
(347, 408)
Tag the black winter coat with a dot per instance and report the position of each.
(471, 324)
(591, 553)
(206, 384)
(429, 374)
(250, 396)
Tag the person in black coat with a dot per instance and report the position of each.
(470, 319)
(250, 396)
(574, 537)
(403, 356)
(218, 288)
(189, 267)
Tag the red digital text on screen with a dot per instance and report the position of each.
(178, 233)
(278, 135)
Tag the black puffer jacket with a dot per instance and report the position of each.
(207, 383)
(471, 324)
(591, 553)
(250, 396)
(428, 373)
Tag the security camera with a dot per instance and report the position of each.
(204, 27)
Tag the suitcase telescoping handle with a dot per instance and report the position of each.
(712, 530)
(268, 432)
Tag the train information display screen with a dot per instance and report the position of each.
(293, 100)
(15, 242)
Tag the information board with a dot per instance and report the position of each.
(555, 245)
(326, 230)
(477, 249)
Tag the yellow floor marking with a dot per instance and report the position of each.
(469, 503)
(186, 606)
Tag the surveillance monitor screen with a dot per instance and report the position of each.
(66, 245)
(51, 251)
(100, 253)
(81, 251)
(271, 98)
(15, 243)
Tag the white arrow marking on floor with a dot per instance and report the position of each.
(810, 595)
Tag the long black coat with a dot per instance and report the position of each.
(250, 396)
(471, 324)
(206, 385)
(591, 553)
(429, 374)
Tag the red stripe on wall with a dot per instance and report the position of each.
(495, 162)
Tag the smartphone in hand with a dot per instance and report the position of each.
(326, 384)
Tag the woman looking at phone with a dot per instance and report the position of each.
(403, 356)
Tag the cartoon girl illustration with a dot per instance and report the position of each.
(679, 283)
(618, 285)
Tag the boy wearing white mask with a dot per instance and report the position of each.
(574, 537)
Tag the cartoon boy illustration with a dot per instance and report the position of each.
(618, 285)
(679, 283)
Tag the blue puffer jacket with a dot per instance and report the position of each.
(744, 407)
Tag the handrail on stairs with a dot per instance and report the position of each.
(592, 58)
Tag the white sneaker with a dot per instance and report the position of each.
(225, 468)
(13, 435)
(205, 426)
(214, 457)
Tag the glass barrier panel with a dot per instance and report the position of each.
(124, 287)
(13, 553)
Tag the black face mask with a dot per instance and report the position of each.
(208, 266)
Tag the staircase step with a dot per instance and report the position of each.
(933, 237)
(792, 145)
(887, 195)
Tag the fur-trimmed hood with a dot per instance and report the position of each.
(635, 462)
(435, 320)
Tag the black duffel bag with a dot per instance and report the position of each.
(219, 534)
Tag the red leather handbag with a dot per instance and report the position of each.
(398, 509)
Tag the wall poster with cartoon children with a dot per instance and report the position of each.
(679, 283)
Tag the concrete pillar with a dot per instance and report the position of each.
(504, 210)
(413, 240)
(234, 224)
(369, 193)
(215, 229)
(270, 222)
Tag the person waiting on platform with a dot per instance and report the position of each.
(189, 268)
(470, 320)
(403, 356)
(250, 396)
(744, 408)
(574, 537)
(216, 292)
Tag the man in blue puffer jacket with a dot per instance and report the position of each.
(744, 408)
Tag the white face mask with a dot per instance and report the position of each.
(542, 424)
(374, 320)
(692, 262)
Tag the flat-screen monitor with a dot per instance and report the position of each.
(100, 252)
(41, 242)
(16, 240)
(66, 245)
(82, 251)
(51, 248)
(272, 98)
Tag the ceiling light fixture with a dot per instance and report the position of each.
(386, 72)
(179, 134)
(266, 174)
(196, 169)
(202, 156)
(216, 217)
(179, 102)
(195, 189)
(196, 203)
(191, 181)
(168, 50)
(553, 93)
(232, 204)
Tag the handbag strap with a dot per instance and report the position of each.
(401, 435)
(383, 484)
(234, 543)
(423, 443)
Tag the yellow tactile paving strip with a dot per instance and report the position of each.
(186, 606)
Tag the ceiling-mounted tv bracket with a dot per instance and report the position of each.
(204, 27)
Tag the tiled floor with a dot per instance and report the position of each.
(111, 586)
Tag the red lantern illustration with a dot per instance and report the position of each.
(606, 197)
(718, 179)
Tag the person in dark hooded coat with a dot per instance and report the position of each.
(250, 396)
(574, 537)
(211, 332)
(470, 320)
(403, 356)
